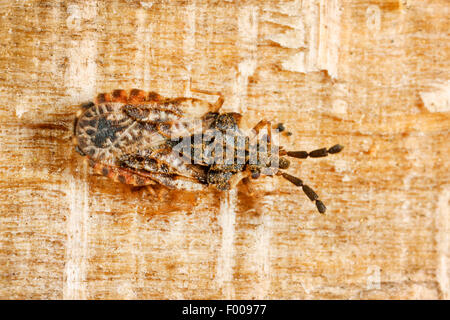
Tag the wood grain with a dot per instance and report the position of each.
(373, 76)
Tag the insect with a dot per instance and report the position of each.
(143, 139)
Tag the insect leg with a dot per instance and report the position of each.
(157, 191)
(219, 102)
(248, 185)
(323, 152)
(236, 178)
(261, 124)
(152, 191)
(306, 189)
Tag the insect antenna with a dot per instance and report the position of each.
(307, 190)
(323, 152)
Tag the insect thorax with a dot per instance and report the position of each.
(226, 151)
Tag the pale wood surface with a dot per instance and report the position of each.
(371, 75)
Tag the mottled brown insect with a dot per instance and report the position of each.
(139, 138)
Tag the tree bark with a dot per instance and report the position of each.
(373, 76)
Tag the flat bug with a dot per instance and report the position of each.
(144, 139)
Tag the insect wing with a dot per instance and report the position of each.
(104, 132)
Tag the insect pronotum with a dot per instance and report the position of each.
(144, 139)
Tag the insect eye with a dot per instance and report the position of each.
(255, 174)
(283, 163)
